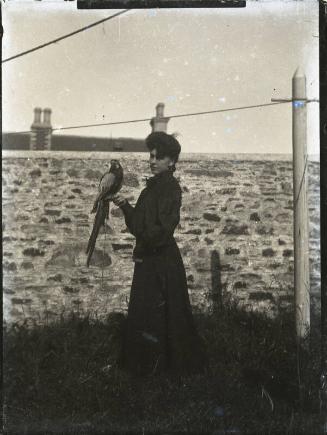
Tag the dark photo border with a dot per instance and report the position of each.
(149, 4)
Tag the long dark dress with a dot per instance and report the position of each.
(160, 332)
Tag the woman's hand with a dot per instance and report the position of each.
(118, 200)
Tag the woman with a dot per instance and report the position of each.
(160, 333)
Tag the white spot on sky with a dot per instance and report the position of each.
(186, 62)
(213, 133)
(253, 55)
(236, 78)
(222, 99)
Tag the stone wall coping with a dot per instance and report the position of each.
(103, 155)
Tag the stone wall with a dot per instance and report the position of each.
(235, 233)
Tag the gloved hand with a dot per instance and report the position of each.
(118, 200)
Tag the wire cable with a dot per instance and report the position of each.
(54, 41)
(301, 182)
(183, 115)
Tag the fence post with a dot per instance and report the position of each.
(216, 286)
(301, 224)
(323, 208)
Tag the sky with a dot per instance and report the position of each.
(190, 59)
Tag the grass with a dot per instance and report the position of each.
(62, 377)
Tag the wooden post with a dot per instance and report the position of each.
(216, 286)
(301, 224)
(323, 208)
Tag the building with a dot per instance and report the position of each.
(60, 142)
(41, 137)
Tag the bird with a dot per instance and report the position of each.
(110, 183)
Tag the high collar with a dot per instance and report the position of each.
(158, 178)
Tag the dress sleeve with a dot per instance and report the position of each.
(130, 215)
(162, 217)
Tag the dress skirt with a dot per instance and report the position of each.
(160, 333)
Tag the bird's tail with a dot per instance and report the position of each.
(106, 209)
(98, 222)
(97, 202)
(95, 206)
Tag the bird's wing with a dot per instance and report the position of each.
(106, 182)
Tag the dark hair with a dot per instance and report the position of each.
(165, 144)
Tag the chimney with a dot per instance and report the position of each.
(37, 116)
(40, 137)
(47, 117)
(159, 122)
(47, 128)
(160, 110)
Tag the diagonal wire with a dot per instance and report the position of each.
(54, 41)
(183, 115)
(302, 180)
(173, 116)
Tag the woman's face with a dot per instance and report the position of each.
(159, 165)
